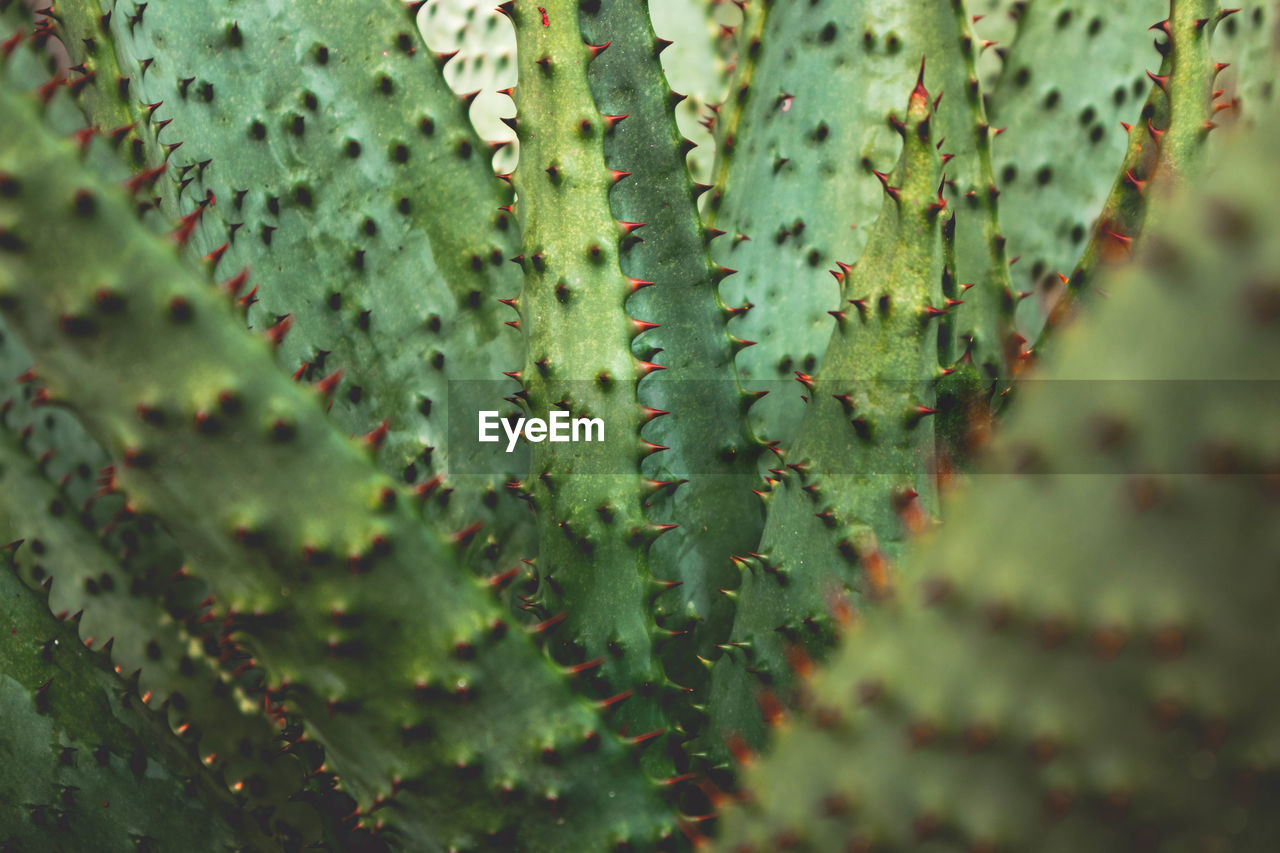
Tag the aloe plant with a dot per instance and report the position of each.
(261, 280)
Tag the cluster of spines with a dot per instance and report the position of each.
(325, 335)
(861, 471)
(983, 349)
(1058, 690)
(91, 763)
(727, 117)
(968, 374)
(598, 596)
(1165, 144)
(964, 406)
(208, 419)
(704, 486)
(334, 621)
(128, 594)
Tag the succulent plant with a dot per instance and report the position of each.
(267, 588)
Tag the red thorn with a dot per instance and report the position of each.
(502, 579)
(647, 367)
(1160, 80)
(578, 669)
(1119, 238)
(642, 326)
(892, 192)
(721, 273)
(9, 45)
(876, 567)
(216, 255)
(800, 661)
(84, 136)
(329, 383)
(614, 700)
(465, 535)
(804, 379)
(248, 299)
(376, 436)
(644, 738)
(638, 284)
(49, 89)
(597, 49)
(738, 748)
(236, 283)
(941, 204)
(428, 488)
(547, 624)
(147, 178)
(279, 329)
(770, 707)
(920, 91)
(675, 780)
